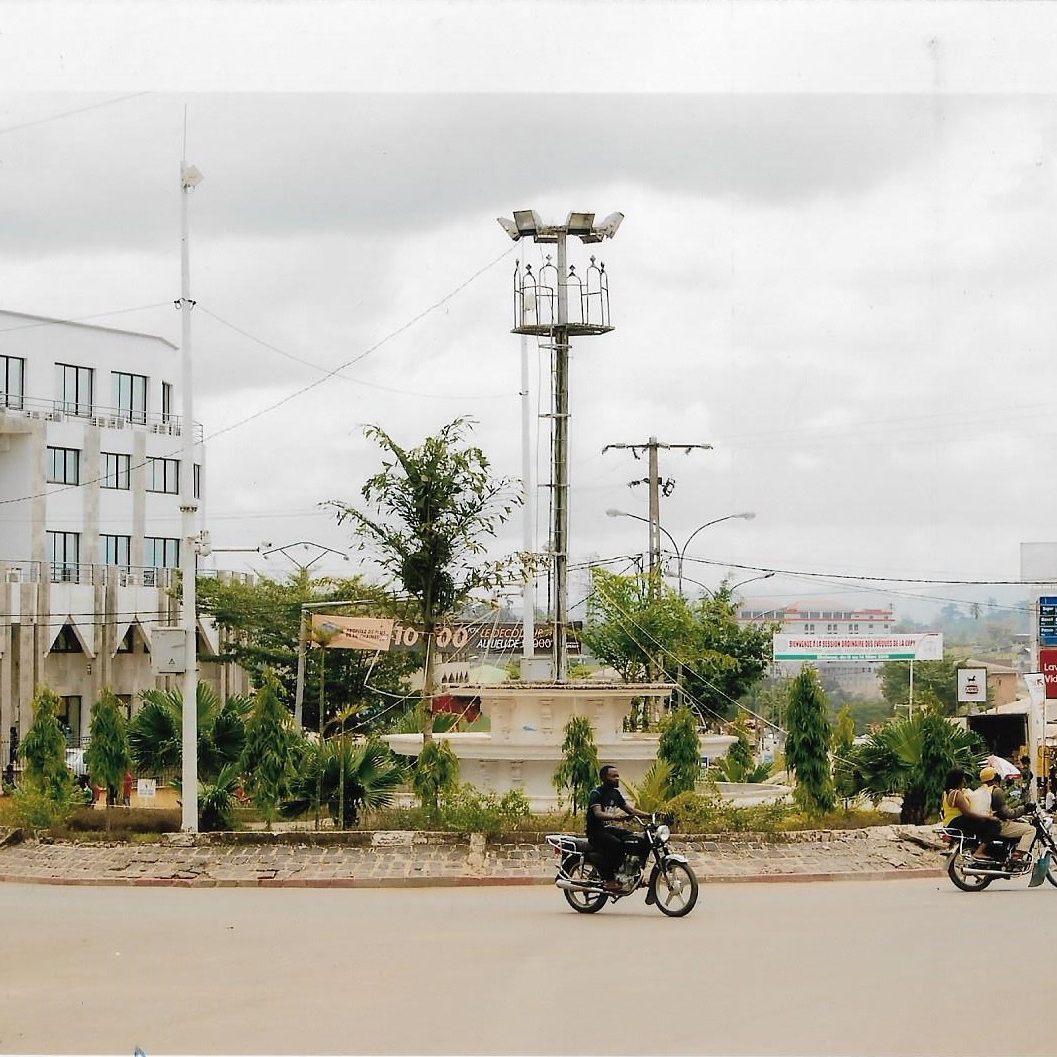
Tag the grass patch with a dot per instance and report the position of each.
(87, 823)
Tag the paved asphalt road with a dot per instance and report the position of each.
(822, 968)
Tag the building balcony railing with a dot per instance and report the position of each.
(93, 414)
(29, 572)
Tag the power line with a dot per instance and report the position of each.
(73, 113)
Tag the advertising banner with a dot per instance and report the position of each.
(926, 646)
(353, 633)
(490, 638)
(1048, 664)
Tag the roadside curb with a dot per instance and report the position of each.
(442, 882)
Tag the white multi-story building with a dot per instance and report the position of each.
(826, 619)
(90, 522)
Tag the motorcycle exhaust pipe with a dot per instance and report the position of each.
(575, 886)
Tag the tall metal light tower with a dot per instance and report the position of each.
(543, 308)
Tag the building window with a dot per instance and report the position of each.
(853, 629)
(163, 475)
(116, 469)
(166, 402)
(69, 716)
(809, 629)
(116, 550)
(130, 395)
(64, 466)
(831, 629)
(66, 641)
(75, 389)
(64, 553)
(12, 381)
(162, 553)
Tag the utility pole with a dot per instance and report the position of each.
(656, 486)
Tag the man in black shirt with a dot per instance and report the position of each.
(607, 803)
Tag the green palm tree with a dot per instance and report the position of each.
(910, 758)
(155, 733)
(347, 779)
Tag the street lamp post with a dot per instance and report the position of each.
(680, 552)
(302, 634)
(542, 310)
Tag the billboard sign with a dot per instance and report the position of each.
(1048, 666)
(490, 638)
(927, 646)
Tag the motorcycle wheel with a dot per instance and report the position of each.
(966, 882)
(1051, 872)
(584, 901)
(674, 889)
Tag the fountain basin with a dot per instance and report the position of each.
(524, 747)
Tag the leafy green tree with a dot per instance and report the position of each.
(268, 755)
(841, 742)
(43, 749)
(631, 625)
(262, 626)
(48, 792)
(156, 731)
(680, 748)
(741, 751)
(578, 769)
(934, 681)
(910, 757)
(436, 773)
(646, 630)
(107, 756)
(807, 743)
(433, 510)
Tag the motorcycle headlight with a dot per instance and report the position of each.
(663, 833)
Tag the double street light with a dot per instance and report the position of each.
(680, 552)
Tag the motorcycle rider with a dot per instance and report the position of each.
(606, 803)
(1021, 832)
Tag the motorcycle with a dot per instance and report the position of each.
(972, 873)
(672, 885)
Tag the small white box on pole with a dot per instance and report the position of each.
(168, 655)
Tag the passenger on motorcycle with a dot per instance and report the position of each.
(606, 803)
(958, 812)
(1021, 832)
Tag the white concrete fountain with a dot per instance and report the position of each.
(523, 747)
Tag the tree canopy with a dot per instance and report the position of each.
(807, 742)
(427, 518)
(644, 629)
(262, 621)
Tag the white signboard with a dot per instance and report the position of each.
(927, 646)
(146, 787)
(972, 684)
(168, 648)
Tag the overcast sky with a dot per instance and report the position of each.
(837, 267)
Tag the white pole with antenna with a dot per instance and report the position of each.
(190, 178)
